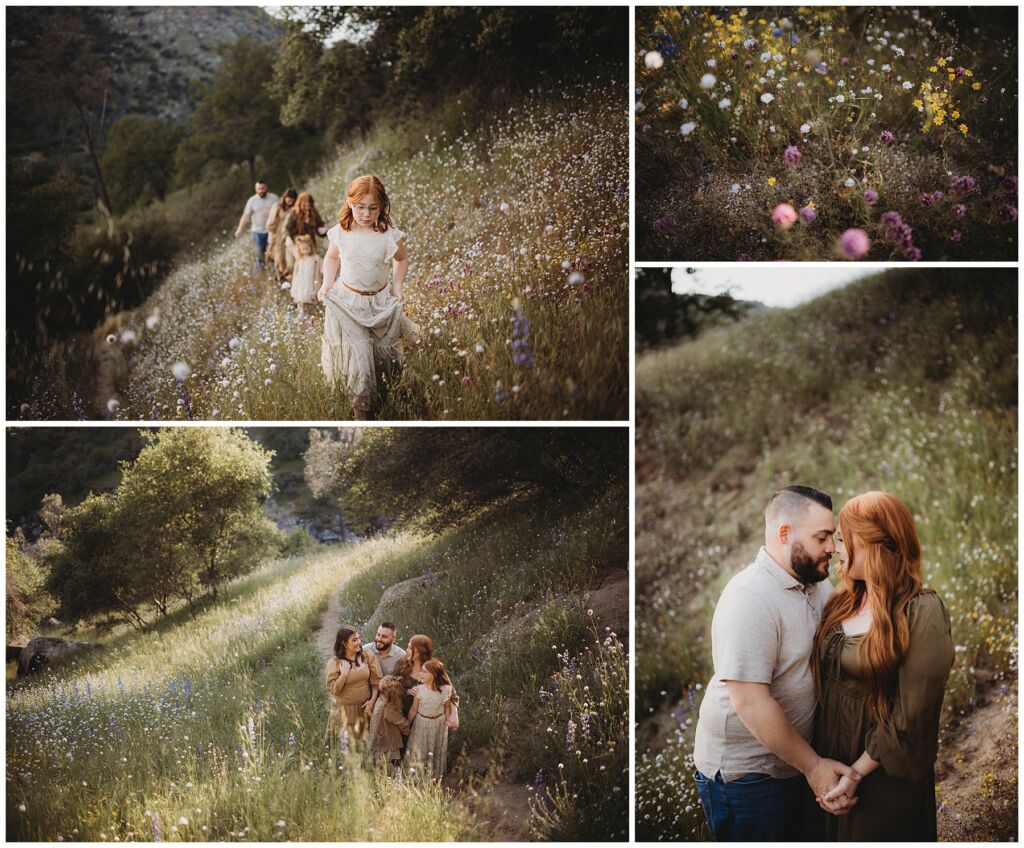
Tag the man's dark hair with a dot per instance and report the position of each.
(389, 625)
(792, 501)
(819, 498)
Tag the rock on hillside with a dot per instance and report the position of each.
(156, 52)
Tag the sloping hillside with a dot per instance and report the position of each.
(210, 727)
(905, 382)
(519, 229)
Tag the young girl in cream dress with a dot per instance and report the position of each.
(363, 315)
(307, 273)
(431, 709)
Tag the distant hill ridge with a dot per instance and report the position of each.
(158, 51)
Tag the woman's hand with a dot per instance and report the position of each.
(321, 293)
(841, 798)
(397, 292)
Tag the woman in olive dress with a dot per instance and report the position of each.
(352, 679)
(883, 652)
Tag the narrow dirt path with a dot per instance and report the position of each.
(505, 806)
(976, 773)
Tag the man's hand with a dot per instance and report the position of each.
(368, 706)
(238, 232)
(824, 775)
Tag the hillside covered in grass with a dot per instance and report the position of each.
(906, 382)
(518, 229)
(208, 724)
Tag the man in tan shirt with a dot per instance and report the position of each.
(752, 746)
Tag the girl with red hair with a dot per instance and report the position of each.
(882, 655)
(363, 317)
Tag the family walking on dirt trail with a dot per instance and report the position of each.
(401, 703)
(364, 322)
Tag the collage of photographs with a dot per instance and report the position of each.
(512, 423)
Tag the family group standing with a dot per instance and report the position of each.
(401, 702)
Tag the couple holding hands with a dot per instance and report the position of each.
(401, 702)
(836, 689)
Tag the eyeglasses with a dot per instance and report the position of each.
(362, 208)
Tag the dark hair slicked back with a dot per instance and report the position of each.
(389, 625)
(815, 495)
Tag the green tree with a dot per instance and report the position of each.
(139, 159)
(235, 119)
(198, 486)
(51, 63)
(92, 572)
(27, 598)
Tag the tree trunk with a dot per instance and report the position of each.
(92, 152)
(251, 162)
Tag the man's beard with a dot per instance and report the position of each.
(805, 566)
(381, 647)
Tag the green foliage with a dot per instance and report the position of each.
(139, 160)
(235, 119)
(663, 316)
(904, 382)
(27, 599)
(185, 515)
(442, 470)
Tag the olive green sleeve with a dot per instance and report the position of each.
(907, 745)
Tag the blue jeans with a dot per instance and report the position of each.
(753, 808)
(260, 240)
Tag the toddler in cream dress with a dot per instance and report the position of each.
(431, 706)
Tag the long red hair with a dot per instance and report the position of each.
(421, 647)
(357, 190)
(880, 525)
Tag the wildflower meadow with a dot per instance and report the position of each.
(826, 133)
(208, 725)
(518, 240)
(905, 381)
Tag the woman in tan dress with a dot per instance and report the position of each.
(276, 240)
(352, 680)
(883, 652)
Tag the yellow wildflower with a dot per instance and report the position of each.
(976, 85)
(952, 76)
(933, 70)
(771, 181)
(918, 104)
(963, 128)
(954, 115)
(968, 73)
(941, 63)
(938, 119)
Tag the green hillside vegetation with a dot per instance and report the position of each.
(208, 724)
(906, 382)
(499, 230)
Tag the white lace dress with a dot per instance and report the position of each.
(306, 278)
(428, 742)
(363, 320)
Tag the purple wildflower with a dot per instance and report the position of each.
(792, 155)
(521, 354)
(1008, 212)
(1010, 184)
(959, 210)
(585, 726)
(955, 236)
(887, 136)
(79, 407)
(570, 734)
(891, 219)
(871, 197)
(912, 253)
(964, 185)
(500, 395)
(854, 243)
(808, 214)
(663, 225)
(932, 197)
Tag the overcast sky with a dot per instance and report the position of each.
(786, 286)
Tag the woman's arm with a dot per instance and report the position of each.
(848, 784)
(414, 708)
(400, 267)
(330, 269)
(337, 674)
(375, 676)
